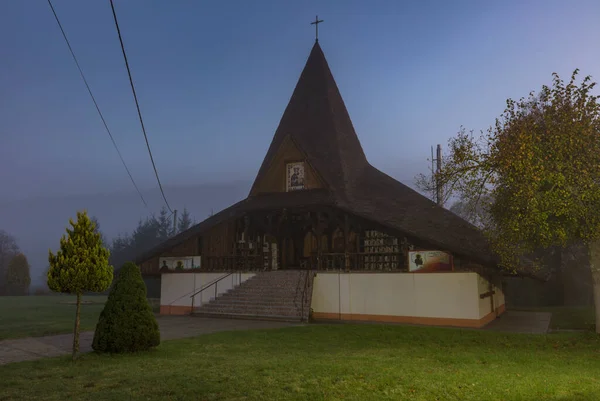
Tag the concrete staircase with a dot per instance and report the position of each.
(273, 295)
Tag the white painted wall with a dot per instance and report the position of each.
(176, 288)
(436, 295)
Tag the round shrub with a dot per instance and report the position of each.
(126, 323)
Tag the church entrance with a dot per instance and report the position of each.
(294, 256)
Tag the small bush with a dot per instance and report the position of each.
(126, 323)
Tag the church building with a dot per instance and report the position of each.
(324, 235)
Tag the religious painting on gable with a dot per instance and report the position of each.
(429, 261)
(295, 176)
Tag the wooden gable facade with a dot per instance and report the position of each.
(275, 178)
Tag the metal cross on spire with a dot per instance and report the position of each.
(316, 24)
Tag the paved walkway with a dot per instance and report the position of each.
(521, 322)
(171, 327)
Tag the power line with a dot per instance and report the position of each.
(137, 105)
(95, 103)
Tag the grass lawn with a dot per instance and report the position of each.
(569, 318)
(327, 362)
(42, 315)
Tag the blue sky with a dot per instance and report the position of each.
(213, 79)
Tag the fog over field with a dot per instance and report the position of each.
(38, 222)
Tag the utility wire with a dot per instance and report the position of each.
(96, 104)
(112, 6)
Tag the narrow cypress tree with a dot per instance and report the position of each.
(127, 323)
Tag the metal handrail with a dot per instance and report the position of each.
(216, 284)
(215, 281)
(304, 290)
(191, 296)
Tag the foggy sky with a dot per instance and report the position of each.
(213, 79)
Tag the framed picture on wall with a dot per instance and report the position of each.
(295, 176)
(179, 263)
(429, 261)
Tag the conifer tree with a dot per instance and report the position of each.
(8, 250)
(127, 323)
(17, 275)
(80, 265)
(165, 225)
(185, 221)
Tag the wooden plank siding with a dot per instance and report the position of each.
(150, 266)
(336, 248)
(274, 179)
(218, 243)
(187, 248)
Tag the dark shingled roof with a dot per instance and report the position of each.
(255, 203)
(318, 122)
(378, 197)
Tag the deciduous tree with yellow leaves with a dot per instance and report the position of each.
(538, 171)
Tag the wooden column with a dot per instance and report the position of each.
(318, 230)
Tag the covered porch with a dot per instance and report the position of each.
(315, 238)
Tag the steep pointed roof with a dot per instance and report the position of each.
(317, 121)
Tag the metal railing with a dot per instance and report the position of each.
(215, 282)
(304, 293)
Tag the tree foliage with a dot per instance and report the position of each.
(166, 227)
(128, 246)
(185, 221)
(148, 234)
(94, 220)
(80, 265)
(126, 323)
(8, 250)
(18, 278)
(428, 184)
(535, 172)
(473, 211)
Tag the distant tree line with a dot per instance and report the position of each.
(14, 268)
(149, 233)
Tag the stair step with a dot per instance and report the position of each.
(247, 312)
(258, 294)
(256, 302)
(247, 316)
(267, 295)
(261, 310)
(281, 294)
(251, 306)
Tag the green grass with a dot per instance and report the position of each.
(569, 318)
(42, 315)
(327, 362)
